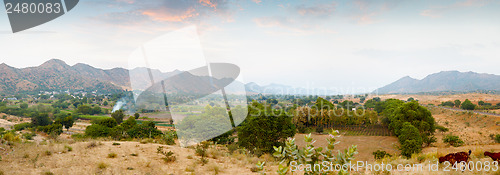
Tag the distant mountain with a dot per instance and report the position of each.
(57, 75)
(443, 81)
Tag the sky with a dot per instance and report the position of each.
(357, 45)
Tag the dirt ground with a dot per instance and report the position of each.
(33, 158)
(366, 144)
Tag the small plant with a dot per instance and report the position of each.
(134, 154)
(26, 156)
(92, 144)
(114, 143)
(112, 155)
(68, 148)
(380, 154)
(169, 156)
(130, 168)
(201, 150)
(319, 129)
(29, 136)
(48, 173)
(102, 165)
(467, 124)
(495, 137)
(232, 147)
(48, 153)
(453, 140)
(442, 128)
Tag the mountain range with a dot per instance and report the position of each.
(443, 81)
(57, 75)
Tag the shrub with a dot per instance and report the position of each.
(319, 129)
(311, 156)
(442, 128)
(118, 116)
(11, 137)
(467, 105)
(108, 122)
(112, 155)
(410, 140)
(102, 165)
(169, 156)
(380, 154)
(68, 148)
(97, 130)
(259, 133)
(169, 137)
(201, 150)
(496, 138)
(453, 140)
(114, 143)
(22, 126)
(54, 129)
(225, 138)
(145, 130)
(29, 136)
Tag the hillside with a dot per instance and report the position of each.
(443, 81)
(57, 75)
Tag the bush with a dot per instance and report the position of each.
(453, 140)
(22, 126)
(442, 128)
(259, 133)
(145, 130)
(225, 138)
(96, 130)
(380, 154)
(108, 122)
(496, 138)
(29, 136)
(467, 105)
(169, 156)
(112, 155)
(410, 140)
(319, 129)
(169, 137)
(118, 116)
(54, 129)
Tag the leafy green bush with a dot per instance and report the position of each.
(53, 129)
(97, 130)
(442, 128)
(169, 137)
(145, 130)
(168, 156)
(496, 138)
(410, 139)
(29, 136)
(319, 129)
(453, 140)
(261, 131)
(380, 154)
(22, 126)
(108, 122)
(226, 138)
(311, 156)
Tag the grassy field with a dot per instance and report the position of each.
(93, 117)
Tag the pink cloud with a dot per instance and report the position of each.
(162, 14)
(257, 1)
(437, 11)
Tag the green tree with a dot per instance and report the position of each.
(136, 115)
(410, 140)
(480, 103)
(84, 109)
(67, 122)
(129, 123)
(108, 122)
(261, 131)
(23, 105)
(40, 119)
(118, 116)
(467, 105)
(410, 99)
(323, 104)
(105, 103)
(457, 103)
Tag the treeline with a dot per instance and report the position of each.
(468, 105)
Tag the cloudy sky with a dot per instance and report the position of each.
(346, 45)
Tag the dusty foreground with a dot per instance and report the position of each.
(131, 158)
